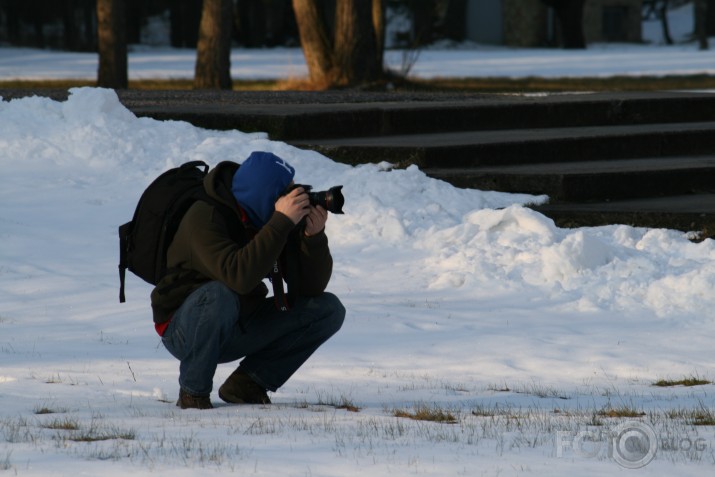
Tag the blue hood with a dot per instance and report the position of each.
(258, 183)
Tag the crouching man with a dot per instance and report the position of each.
(212, 305)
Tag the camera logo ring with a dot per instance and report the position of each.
(634, 444)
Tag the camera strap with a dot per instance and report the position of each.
(279, 296)
(275, 276)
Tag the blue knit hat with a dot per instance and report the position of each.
(258, 182)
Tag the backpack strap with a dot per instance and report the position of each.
(235, 228)
(292, 262)
(122, 275)
(279, 296)
(124, 232)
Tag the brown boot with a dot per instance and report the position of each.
(188, 401)
(239, 388)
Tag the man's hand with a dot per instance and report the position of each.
(315, 220)
(295, 205)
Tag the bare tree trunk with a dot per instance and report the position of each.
(314, 38)
(12, 16)
(112, 44)
(69, 26)
(213, 52)
(701, 32)
(570, 16)
(378, 21)
(354, 56)
(663, 14)
(710, 21)
(184, 19)
(355, 43)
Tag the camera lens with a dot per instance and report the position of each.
(331, 200)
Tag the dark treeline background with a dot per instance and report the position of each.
(72, 24)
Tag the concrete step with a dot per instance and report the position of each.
(592, 180)
(589, 151)
(523, 146)
(694, 212)
(309, 115)
(574, 146)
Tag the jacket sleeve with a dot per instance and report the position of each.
(316, 264)
(215, 254)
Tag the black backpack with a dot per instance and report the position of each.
(144, 241)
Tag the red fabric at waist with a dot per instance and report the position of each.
(161, 327)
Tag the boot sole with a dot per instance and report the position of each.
(231, 399)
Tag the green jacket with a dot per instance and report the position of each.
(207, 248)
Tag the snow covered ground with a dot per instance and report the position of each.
(524, 337)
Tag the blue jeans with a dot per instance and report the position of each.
(205, 331)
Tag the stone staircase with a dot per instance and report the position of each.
(643, 159)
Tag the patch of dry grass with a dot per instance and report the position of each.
(623, 411)
(480, 85)
(687, 382)
(423, 412)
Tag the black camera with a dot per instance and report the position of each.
(331, 200)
